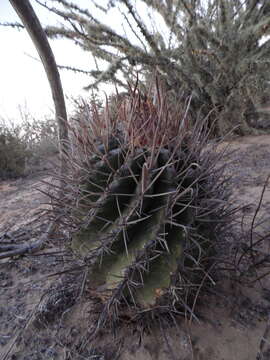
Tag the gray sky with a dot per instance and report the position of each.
(23, 80)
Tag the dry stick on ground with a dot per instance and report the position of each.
(39, 38)
(15, 250)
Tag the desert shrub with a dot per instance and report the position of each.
(13, 152)
(25, 146)
(216, 51)
(42, 142)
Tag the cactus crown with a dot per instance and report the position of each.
(145, 203)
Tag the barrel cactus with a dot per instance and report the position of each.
(145, 202)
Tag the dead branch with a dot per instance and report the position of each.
(11, 250)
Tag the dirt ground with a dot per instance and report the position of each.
(233, 324)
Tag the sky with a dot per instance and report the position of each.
(24, 84)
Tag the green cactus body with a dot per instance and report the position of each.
(110, 206)
(114, 266)
(102, 174)
(128, 226)
(157, 280)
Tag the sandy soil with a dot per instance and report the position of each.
(234, 324)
